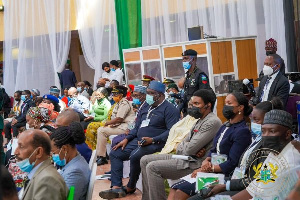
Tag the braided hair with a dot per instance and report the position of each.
(72, 135)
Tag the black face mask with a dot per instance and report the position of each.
(98, 86)
(269, 53)
(272, 142)
(228, 112)
(108, 71)
(195, 112)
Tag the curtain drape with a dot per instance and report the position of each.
(167, 21)
(37, 41)
(96, 23)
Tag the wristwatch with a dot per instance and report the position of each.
(153, 142)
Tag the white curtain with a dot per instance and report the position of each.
(36, 45)
(96, 23)
(167, 21)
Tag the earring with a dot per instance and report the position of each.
(239, 112)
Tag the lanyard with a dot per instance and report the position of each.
(220, 139)
(150, 110)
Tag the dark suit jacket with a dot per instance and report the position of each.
(67, 78)
(240, 184)
(24, 109)
(279, 88)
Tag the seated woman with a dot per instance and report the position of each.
(39, 118)
(75, 170)
(52, 103)
(230, 141)
(235, 184)
(99, 112)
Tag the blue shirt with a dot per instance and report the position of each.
(162, 118)
(234, 142)
(32, 172)
(77, 173)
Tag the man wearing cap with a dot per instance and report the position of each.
(195, 78)
(34, 94)
(149, 135)
(271, 48)
(168, 81)
(55, 92)
(276, 135)
(118, 74)
(139, 97)
(78, 102)
(146, 80)
(121, 116)
(173, 94)
(274, 83)
(108, 74)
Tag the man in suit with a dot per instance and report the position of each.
(32, 156)
(157, 168)
(20, 120)
(67, 78)
(273, 84)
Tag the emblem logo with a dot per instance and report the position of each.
(266, 173)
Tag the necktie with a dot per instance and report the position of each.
(265, 88)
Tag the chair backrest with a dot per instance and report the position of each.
(92, 182)
(92, 159)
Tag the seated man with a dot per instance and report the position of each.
(149, 135)
(16, 109)
(33, 154)
(121, 116)
(20, 120)
(284, 156)
(64, 119)
(157, 168)
(273, 84)
(78, 102)
(81, 90)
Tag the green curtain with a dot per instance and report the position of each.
(129, 24)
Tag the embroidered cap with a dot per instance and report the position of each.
(140, 89)
(279, 117)
(157, 86)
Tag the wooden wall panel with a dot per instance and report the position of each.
(220, 105)
(200, 48)
(246, 59)
(222, 58)
(132, 56)
(171, 52)
(151, 54)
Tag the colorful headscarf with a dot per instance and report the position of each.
(39, 114)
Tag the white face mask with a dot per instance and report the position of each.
(27, 127)
(267, 70)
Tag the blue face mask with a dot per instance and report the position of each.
(58, 161)
(23, 97)
(25, 165)
(186, 65)
(79, 89)
(150, 99)
(256, 129)
(112, 69)
(136, 101)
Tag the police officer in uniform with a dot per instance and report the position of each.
(195, 79)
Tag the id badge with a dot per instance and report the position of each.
(238, 173)
(145, 123)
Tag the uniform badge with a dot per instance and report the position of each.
(193, 81)
(204, 79)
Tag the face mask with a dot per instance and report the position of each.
(79, 89)
(187, 65)
(27, 127)
(116, 99)
(256, 128)
(112, 69)
(136, 101)
(58, 161)
(269, 52)
(195, 112)
(25, 165)
(272, 142)
(228, 112)
(23, 97)
(170, 93)
(31, 96)
(150, 99)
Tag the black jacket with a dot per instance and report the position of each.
(24, 109)
(279, 88)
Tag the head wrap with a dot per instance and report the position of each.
(39, 114)
(279, 117)
(157, 86)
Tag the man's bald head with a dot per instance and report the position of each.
(66, 117)
(72, 92)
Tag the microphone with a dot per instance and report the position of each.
(249, 86)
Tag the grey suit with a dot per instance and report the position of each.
(157, 168)
(46, 184)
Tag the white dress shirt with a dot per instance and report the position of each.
(268, 87)
(119, 76)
